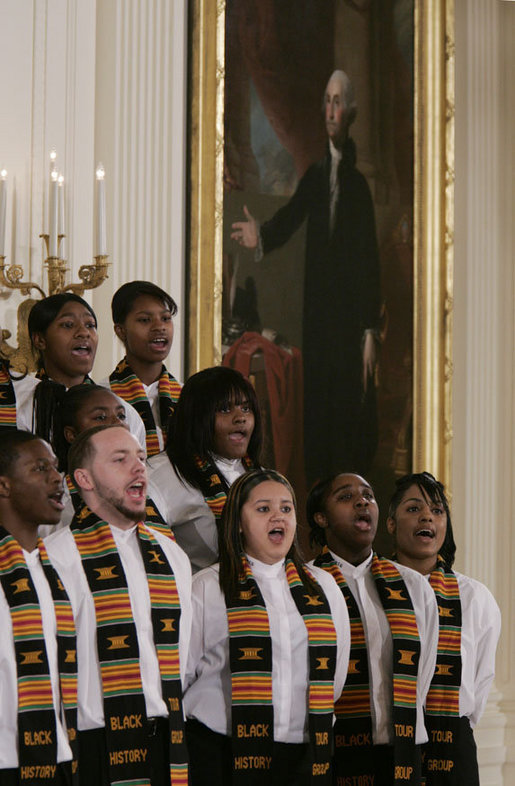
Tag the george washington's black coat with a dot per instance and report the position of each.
(341, 300)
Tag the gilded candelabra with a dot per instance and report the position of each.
(11, 277)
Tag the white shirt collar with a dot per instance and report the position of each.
(123, 535)
(350, 570)
(226, 462)
(31, 557)
(265, 570)
(335, 153)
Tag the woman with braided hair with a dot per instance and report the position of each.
(469, 624)
(63, 332)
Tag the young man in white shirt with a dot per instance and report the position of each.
(130, 589)
(37, 636)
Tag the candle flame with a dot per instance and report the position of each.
(100, 173)
(55, 175)
(60, 180)
(3, 174)
(53, 154)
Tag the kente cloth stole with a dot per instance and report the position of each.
(118, 651)
(127, 385)
(441, 753)
(250, 649)
(37, 733)
(7, 399)
(213, 485)
(152, 516)
(352, 731)
(399, 610)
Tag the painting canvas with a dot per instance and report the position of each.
(318, 308)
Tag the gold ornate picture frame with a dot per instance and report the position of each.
(433, 214)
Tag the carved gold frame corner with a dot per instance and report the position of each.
(433, 215)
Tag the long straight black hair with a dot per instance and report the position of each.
(191, 430)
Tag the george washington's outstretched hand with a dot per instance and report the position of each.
(246, 232)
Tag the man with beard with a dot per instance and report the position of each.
(130, 589)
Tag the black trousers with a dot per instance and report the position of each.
(94, 759)
(380, 765)
(63, 776)
(210, 756)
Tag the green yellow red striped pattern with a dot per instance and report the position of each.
(121, 677)
(252, 687)
(405, 690)
(163, 592)
(354, 702)
(321, 697)
(26, 622)
(443, 697)
(355, 699)
(320, 629)
(213, 487)
(113, 606)
(128, 386)
(95, 541)
(34, 687)
(69, 690)
(35, 692)
(11, 556)
(403, 624)
(65, 625)
(168, 657)
(449, 640)
(250, 621)
(179, 774)
(251, 660)
(443, 700)
(117, 641)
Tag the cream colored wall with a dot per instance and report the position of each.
(140, 127)
(103, 82)
(106, 81)
(483, 381)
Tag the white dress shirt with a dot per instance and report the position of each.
(334, 183)
(8, 671)
(65, 556)
(24, 392)
(208, 680)
(480, 629)
(185, 510)
(380, 645)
